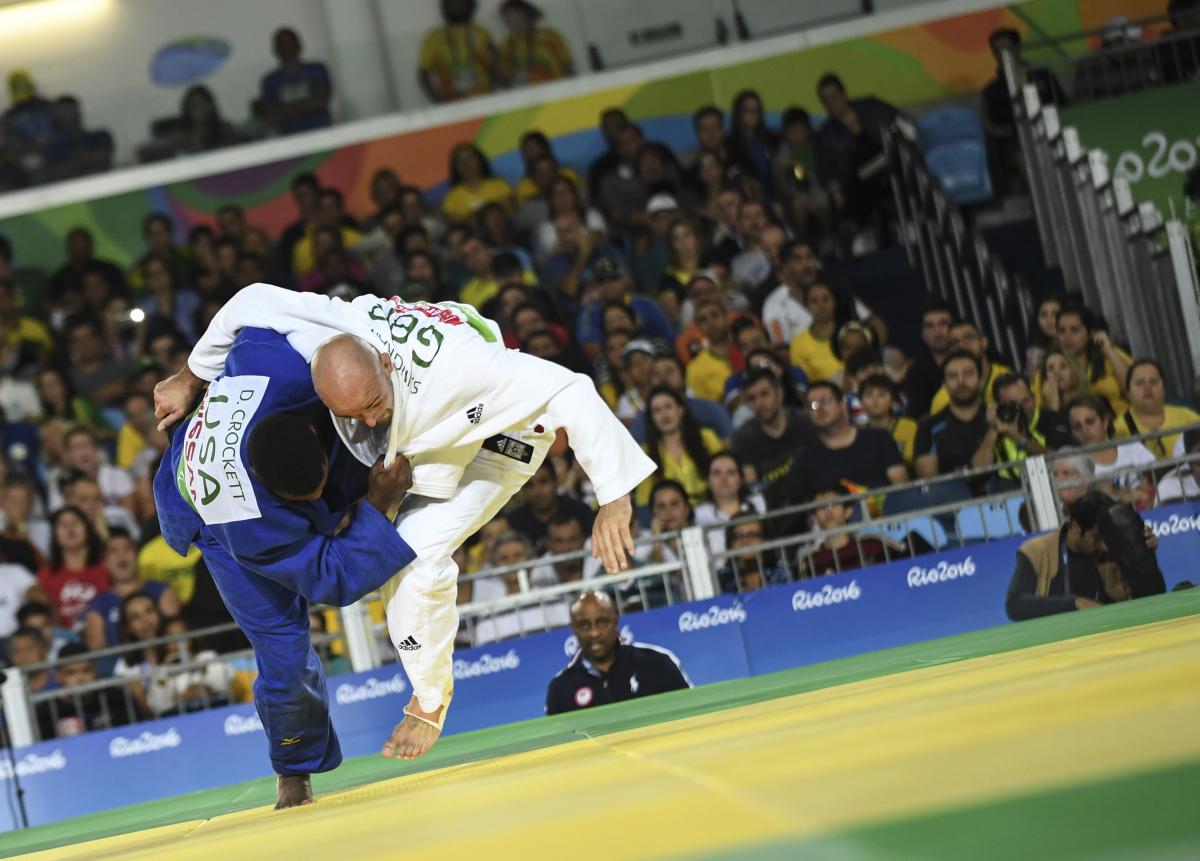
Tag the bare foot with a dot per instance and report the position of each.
(292, 790)
(412, 737)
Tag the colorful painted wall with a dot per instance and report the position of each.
(909, 66)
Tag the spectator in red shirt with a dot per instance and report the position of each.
(842, 551)
(76, 573)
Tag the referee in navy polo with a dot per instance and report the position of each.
(603, 670)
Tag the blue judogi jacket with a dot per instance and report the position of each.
(204, 486)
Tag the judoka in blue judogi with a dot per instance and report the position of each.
(271, 554)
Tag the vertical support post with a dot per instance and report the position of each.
(360, 644)
(1042, 498)
(18, 714)
(697, 563)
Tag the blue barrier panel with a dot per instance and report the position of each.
(1178, 531)
(942, 593)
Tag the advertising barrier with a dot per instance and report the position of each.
(727, 637)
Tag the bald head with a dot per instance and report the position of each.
(594, 623)
(352, 379)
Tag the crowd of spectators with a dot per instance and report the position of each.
(701, 292)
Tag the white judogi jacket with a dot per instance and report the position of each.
(458, 384)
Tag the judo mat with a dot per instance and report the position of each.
(1068, 737)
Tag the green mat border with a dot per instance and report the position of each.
(560, 729)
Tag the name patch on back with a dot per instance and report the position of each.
(211, 475)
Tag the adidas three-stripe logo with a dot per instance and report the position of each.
(475, 413)
(408, 644)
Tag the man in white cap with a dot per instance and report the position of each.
(475, 420)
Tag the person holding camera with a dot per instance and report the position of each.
(1104, 553)
(1013, 425)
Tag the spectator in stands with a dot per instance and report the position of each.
(752, 570)
(612, 120)
(93, 374)
(768, 444)
(706, 286)
(24, 332)
(847, 146)
(686, 252)
(605, 670)
(1181, 484)
(712, 366)
(1058, 572)
(472, 185)
(881, 409)
(201, 127)
(75, 573)
(1060, 384)
(709, 180)
(542, 504)
(330, 213)
(1013, 418)
(75, 151)
(958, 437)
(784, 311)
(565, 533)
(637, 356)
(511, 549)
(17, 586)
(856, 458)
(458, 59)
(167, 300)
(679, 447)
(140, 621)
(1103, 366)
(23, 526)
(1148, 410)
(40, 616)
(204, 687)
(157, 561)
(806, 203)
(81, 454)
(611, 282)
(65, 288)
(305, 191)
(1043, 330)
(1073, 475)
(751, 144)
(812, 349)
(966, 336)
(620, 196)
(28, 123)
(666, 370)
(83, 492)
(708, 125)
(1092, 424)
(102, 618)
(924, 376)
(531, 54)
(26, 647)
(73, 713)
(842, 551)
(295, 96)
(18, 397)
(728, 497)
(999, 126)
(158, 231)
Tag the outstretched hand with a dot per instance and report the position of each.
(174, 396)
(611, 538)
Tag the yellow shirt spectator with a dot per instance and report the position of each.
(1164, 446)
(540, 56)
(462, 203)
(304, 258)
(478, 290)
(457, 61)
(815, 357)
(942, 399)
(129, 445)
(706, 376)
(685, 471)
(157, 561)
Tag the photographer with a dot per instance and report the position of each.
(1013, 426)
(1066, 570)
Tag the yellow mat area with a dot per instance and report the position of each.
(943, 736)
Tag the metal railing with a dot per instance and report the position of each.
(953, 254)
(1137, 269)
